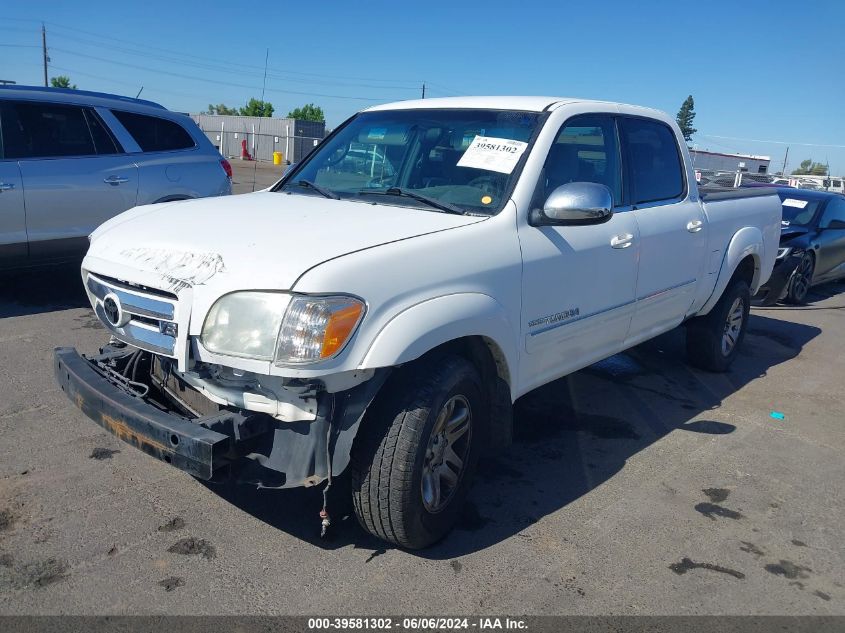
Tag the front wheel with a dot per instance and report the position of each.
(800, 281)
(416, 451)
(713, 340)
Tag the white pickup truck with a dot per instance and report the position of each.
(383, 305)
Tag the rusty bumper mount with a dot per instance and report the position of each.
(255, 448)
(172, 438)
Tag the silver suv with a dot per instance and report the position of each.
(71, 159)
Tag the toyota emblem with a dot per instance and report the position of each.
(113, 311)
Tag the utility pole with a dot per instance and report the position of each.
(423, 90)
(783, 171)
(44, 51)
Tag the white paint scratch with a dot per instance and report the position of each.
(182, 269)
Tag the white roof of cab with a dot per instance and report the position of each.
(530, 104)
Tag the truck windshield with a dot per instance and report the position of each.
(441, 160)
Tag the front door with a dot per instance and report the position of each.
(672, 227)
(74, 174)
(830, 257)
(578, 281)
(12, 215)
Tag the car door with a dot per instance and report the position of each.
(75, 175)
(830, 256)
(672, 227)
(13, 248)
(578, 281)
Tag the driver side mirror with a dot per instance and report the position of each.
(573, 204)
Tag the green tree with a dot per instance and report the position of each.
(220, 108)
(308, 112)
(685, 117)
(62, 81)
(808, 167)
(256, 107)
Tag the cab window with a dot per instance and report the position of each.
(585, 150)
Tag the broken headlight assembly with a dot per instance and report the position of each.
(289, 329)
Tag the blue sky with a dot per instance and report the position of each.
(759, 71)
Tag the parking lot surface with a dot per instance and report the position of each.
(636, 486)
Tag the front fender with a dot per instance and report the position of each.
(424, 326)
(747, 241)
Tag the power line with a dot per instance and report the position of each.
(227, 62)
(756, 140)
(123, 83)
(215, 81)
(219, 69)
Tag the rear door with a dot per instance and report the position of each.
(672, 227)
(170, 167)
(830, 258)
(75, 175)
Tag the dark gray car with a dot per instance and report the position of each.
(71, 159)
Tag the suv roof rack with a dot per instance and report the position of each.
(82, 93)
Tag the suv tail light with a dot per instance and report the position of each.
(226, 167)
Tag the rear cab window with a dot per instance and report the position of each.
(653, 160)
(52, 130)
(154, 134)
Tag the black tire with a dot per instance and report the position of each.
(801, 280)
(707, 347)
(392, 452)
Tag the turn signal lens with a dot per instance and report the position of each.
(340, 326)
(316, 328)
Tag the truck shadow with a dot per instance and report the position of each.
(39, 290)
(572, 435)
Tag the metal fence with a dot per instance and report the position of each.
(744, 179)
(259, 138)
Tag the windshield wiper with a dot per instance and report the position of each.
(432, 202)
(327, 193)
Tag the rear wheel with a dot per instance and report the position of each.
(416, 451)
(713, 340)
(801, 280)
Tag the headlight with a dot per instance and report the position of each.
(316, 328)
(244, 324)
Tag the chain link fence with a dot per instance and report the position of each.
(261, 138)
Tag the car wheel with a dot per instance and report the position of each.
(415, 454)
(801, 280)
(713, 340)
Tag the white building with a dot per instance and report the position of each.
(717, 161)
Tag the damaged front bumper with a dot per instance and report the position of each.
(255, 447)
(776, 287)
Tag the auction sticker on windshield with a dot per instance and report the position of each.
(792, 202)
(493, 154)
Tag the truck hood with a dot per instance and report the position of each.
(261, 240)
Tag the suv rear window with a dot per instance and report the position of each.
(154, 134)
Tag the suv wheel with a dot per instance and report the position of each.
(414, 456)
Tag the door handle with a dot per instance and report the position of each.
(5, 186)
(694, 226)
(622, 241)
(115, 180)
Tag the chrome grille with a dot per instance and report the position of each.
(141, 318)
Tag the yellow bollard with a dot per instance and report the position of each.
(277, 158)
